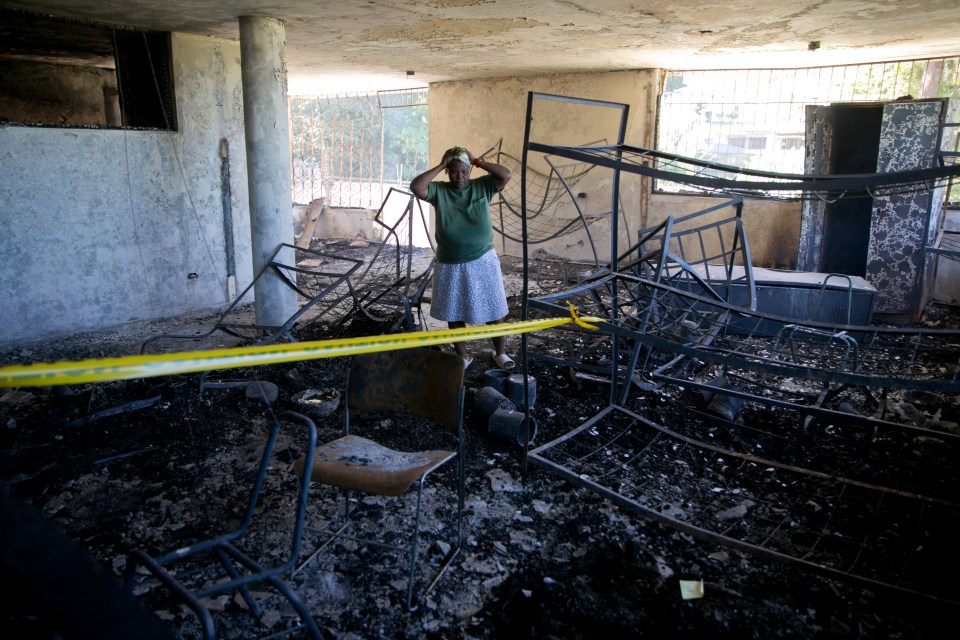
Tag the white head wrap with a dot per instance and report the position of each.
(458, 153)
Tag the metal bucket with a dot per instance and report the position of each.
(487, 400)
(512, 426)
(515, 390)
(496, 378)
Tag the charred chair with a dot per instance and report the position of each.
(218, 566)
(425, 384)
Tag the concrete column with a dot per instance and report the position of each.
(264, 75)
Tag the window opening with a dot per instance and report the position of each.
(754, 118)
(351, 149)
(61, 72)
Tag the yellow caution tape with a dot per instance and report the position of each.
(580, 322)
(167, 364)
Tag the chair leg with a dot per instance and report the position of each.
(333, 536)
(330, 539)
(298, 606)
(455, 550)
(413, 548)
(461, 491)
(415, 544)
(167, 579)
(227, 565)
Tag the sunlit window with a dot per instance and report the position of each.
(755, 118)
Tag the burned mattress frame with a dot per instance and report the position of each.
(863, 514)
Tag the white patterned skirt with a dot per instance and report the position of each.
(470, 292)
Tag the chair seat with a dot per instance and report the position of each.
(358, 464)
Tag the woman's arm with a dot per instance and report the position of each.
(419, 184)
(500, 172)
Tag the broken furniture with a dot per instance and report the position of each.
(322, 282)
(539, 195)
(688, 326)
(426, 384)
(846, 528)
(220, 565)
(701, 252)
(391, 288)
(860, 517)
(881, 236)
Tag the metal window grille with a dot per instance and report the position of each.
(402, 98)
(338, 146)
(754, 118)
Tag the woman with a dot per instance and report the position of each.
(467, 283)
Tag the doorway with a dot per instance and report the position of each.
(846, 224)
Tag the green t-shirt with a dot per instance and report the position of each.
(464, 231)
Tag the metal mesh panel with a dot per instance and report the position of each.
(402, 98)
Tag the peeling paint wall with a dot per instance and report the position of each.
(105, 227)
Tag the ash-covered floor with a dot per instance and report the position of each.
(544, 557)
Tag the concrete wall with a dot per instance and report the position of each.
(772, 228)
(475, 114)
(338, 223)
(104, 227)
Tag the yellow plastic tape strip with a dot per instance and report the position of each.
(168, 364)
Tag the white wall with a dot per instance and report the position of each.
(104, 227)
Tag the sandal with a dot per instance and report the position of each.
(503, 361)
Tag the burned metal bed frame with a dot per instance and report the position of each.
(333, 287)
(389, 289)
(321, 281)
(654, 318)
(709, 349)
(689, 329)
(542, 192)
(873, 535)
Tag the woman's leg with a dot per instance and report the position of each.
(500, 342)
(459, 347)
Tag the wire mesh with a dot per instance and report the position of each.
(826, 522)
(393, 98)
(545, 191)
(713, 331)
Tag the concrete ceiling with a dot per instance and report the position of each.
(361, 45)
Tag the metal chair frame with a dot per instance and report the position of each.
(419, 382)
(240, 570)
